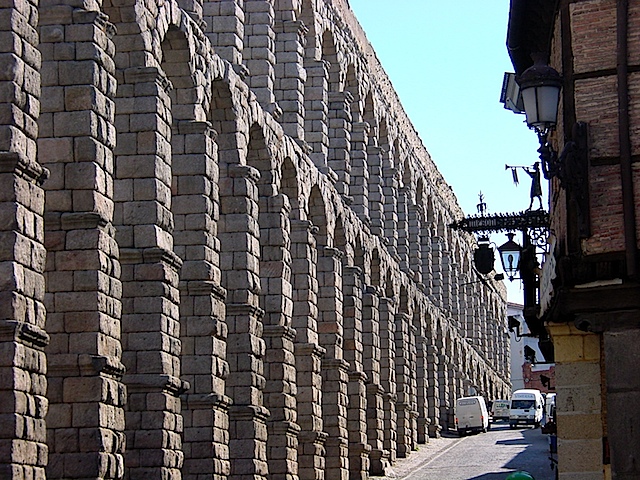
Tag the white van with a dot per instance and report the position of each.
(471, 415)
(501, 409)
(527, 407)
(549, 404)
(549, 421)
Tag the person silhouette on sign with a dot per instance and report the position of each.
(536, 188)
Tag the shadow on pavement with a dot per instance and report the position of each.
(534, 458)
(516, 441)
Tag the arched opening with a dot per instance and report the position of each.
(330, 55)
(375, 268)
(404, 364)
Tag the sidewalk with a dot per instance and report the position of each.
(426, 453)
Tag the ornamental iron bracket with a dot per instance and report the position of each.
(536, 222)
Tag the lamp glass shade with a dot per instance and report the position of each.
(510, 257)
(540, 86)
(541, 105)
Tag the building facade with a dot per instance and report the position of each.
(529, 368)
(590, 294)
(224, 250)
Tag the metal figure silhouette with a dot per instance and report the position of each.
(536, 187)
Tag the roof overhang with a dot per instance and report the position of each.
(530, 30)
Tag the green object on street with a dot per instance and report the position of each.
(520, 476)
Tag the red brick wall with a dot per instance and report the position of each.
(532, 378)
(593, 41)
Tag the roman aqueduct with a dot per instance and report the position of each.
(224, 249)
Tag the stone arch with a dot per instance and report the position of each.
(308, 16)
(308, 352)
(245, 208)
(420, 379)
(259, 51)
(448, 374)
(391, 186)
(278, 190)
(457, 359)
(335, 371)
(405, 366)
(352, 85)
(330, 55)
(259, 156)
(353, 286)
(455, 274)
(375, 268)
(359, 256)
(420, 193)
(372, 354)
(316, 99)
(384, 142)
(167, 16)
(72, 216)
(376, 194)
(190, 98)
(164, 94)
(318, 216)
(407, 174)
(389, 285)
(441, 228)
(396, 153)
(370, 116)
(426, 241)
(362, 136)
(290, 77)
(195, 207)
(430, 212)
(289, 186)
(404, 300)
(339, 119)
(404, 202)
(339, 237)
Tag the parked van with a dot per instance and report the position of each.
(527, 407)
(471, 415)
(549, 405)
(549, 422)
(501, 409)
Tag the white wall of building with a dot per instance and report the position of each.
(517, 346)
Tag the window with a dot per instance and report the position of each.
(523, 404)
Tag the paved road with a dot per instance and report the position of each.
(489, 456)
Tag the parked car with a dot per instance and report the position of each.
(471, 415)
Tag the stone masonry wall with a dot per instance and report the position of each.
(224, 249)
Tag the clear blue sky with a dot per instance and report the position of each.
(446, 60)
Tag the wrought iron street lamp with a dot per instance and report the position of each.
(540, 88)
(510, 257)
(536, 93)
(534, 224)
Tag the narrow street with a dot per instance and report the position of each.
(489, 456)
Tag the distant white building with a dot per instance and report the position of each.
(523, 346)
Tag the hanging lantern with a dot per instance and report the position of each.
(483, 256)
(540, 87)
(510, 257)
